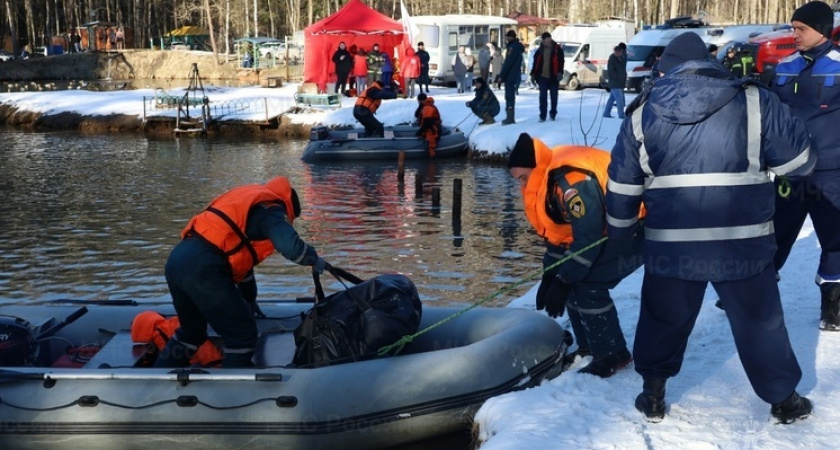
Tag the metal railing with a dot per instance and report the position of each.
(256, 109)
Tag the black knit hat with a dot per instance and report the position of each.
(511, 33)
(685, 47)
(816, 15)
(479, 80)
(523, 153)
(545, 35)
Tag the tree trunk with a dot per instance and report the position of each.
(13, 30)
(210, 30)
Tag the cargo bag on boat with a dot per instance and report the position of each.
(354, 324)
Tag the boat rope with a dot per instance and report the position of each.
(397, 347)
(186, 400)
(470, 114)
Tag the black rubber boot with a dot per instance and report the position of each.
(607, 366)
(651, 402)
(509, 117)
(830, 308)
(792, 409)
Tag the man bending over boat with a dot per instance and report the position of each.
(563, 190)
(430, 124)
(210, 273)
(366, 106)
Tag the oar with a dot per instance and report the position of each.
(140, 374)
(76, 301)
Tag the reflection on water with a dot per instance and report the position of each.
(94, 217)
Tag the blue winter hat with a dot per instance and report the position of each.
(685, 47)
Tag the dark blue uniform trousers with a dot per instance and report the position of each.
(203, 292)
(669, 310)
(819, 196)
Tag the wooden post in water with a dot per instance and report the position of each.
(436, 199)
(401, 168)
(418, 186)
(456, 199)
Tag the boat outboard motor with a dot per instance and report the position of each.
(15, 341)
(319, 133)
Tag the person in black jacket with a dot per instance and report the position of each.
(485, 104)
(511, 74)
(616, 79)
(546, 69)
(343, 61)
(424, 67)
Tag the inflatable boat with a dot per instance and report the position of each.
(338, 145)
(86, 384)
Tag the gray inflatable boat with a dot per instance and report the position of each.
(341, 145)
(104, 399)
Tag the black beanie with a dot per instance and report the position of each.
(523, 153)
(817, 15)
(685, 47)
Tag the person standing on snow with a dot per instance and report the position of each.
(616, 79)
(546, 70)
(343, 61)
(563, 191)
(802, 82)
(709, 219)
(511, 74)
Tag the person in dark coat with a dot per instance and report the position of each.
(343, 61)
(424, 67)
(563, 191)
(709, 219)
(802, 82)
(616, 80)
(546, 69)
(210, 273)
(511, 74)
(485, 105)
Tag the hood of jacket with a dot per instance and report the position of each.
(692, 92)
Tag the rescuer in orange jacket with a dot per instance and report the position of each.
(430, 124)
(210, 272)
(563, 190)
(366, 105)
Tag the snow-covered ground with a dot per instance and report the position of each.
(711, 404)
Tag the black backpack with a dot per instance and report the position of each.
(354, 324)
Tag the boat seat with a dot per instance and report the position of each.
(120, 351)
(275, 349)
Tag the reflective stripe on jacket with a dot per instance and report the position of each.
(223, 224)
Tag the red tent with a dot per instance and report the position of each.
(354, 24)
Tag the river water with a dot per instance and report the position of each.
(94, 217)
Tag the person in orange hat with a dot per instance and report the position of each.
(210, 273)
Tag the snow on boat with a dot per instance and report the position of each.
(85, 385)
(338, 145)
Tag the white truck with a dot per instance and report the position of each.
(587, 48)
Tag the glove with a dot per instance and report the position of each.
(319, 266)
(552, 295)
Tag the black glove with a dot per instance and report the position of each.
(552, 295)
(319, 266)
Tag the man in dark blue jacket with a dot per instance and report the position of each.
(807, 82)
(616, 79)
(697, 149)
(511, 74)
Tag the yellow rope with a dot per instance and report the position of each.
(398, 346)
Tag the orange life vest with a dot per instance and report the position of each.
(535, 193)
(430, 111)
(223, 223)
(370, 103)
(151, 327)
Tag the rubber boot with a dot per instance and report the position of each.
(830, 308)
(488, 119)
(651, 402)
(509, 117)
(792, 409)
(235, 358)
(175, 354)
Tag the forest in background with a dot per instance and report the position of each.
(35, 22)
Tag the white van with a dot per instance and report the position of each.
(587, 48)
(643, 48)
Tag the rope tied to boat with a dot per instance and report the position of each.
(398, 346)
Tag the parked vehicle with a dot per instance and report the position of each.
(441, 36)
(647, 44)
(724, 37)
(769, 48)
(280, 51)
(587, 48)
(6, 56)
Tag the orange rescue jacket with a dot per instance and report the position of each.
(535, 193)
(368, 102)
(151, 327)
(223, 223)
